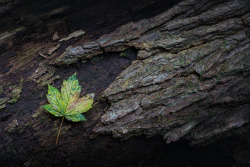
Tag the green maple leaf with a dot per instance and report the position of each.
(68, 104)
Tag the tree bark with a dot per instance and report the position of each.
(171, 80)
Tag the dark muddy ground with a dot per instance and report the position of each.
(95, 17)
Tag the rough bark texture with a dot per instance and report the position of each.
(175, 72)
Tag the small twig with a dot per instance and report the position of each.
(42, 55)
(59, 131)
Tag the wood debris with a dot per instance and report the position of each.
(73, 35)
(53, 49)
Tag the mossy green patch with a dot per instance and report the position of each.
(16, 92)
(84, 61)
(96, 58)
(3, 100)
(12, 126)
(2, 106)
(123, 54)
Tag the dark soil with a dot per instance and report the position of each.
(95, 17)
(96, 74)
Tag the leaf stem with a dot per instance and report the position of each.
(59, 131)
